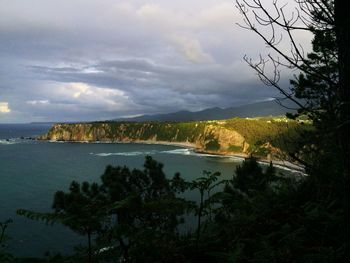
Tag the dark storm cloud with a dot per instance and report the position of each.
(188, 86)
(85, 60)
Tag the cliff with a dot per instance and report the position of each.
(245, 136)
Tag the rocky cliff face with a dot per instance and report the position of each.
(263, 137)
(202, 135)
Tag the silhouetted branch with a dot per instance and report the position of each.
(259, 67)
(313, 15)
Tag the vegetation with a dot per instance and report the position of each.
(136, 214)
(82, 209)
(278, 132)
(321, 91)
(259, 216)
(4, 256)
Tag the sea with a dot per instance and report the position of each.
(32, 171)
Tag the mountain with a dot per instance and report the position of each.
(259, 109)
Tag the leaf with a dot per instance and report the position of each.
(48, 218)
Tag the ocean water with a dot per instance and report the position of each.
(32, 171)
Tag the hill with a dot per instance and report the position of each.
(264, 137)
(261, 109)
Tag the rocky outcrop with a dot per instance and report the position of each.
(268, 138)
(202, 135)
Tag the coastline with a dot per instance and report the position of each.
(277, 163)
(286, 165)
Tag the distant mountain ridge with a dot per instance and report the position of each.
(259, 109)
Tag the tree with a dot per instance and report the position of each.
(314, 16)
(146, 209)
(323, 84)
(134, 214)
(315, 90)
(204, 185)
(249, 176)
(342, 26)
(82, 209)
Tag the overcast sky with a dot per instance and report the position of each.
(75, 60)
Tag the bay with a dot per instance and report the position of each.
(32, 171)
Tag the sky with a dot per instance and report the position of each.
(81, 60)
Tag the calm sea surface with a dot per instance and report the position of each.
(31, 172)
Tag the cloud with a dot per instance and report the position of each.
(191, 49)
(149, 86)
(38, 102)
(4, 107)
(85, 60)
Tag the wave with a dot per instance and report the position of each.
(190, 152)
(296, 171)
(179, 151)
(124, 153)
(9, 141)
(53, 141)
(198, 154)
(138, 153)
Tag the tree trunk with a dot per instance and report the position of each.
(199, 219)
(342, 20)
(89, 251)
(125, 249)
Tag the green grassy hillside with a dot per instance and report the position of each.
(260, 136)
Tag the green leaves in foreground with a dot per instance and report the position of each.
(139, 216)
(48, 218)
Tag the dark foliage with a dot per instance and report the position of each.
(260, 216)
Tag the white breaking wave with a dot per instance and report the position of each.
(187, 152)
(124, 154)
(291, 170)
(137, 153)
(193, 153)
(179, 151)
(8, 142)
(54, 141)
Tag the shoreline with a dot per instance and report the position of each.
(286, 165)
(282, 164)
